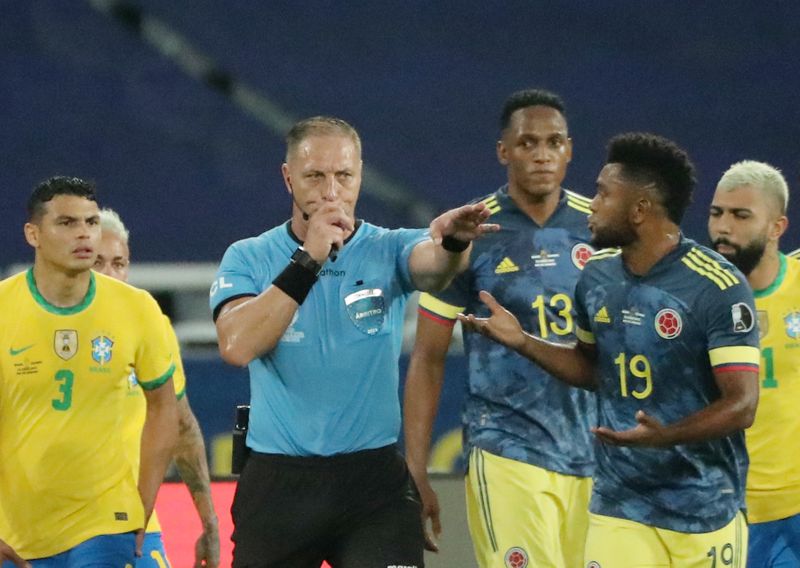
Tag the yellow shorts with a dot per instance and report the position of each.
(620, 543)
(525, 516)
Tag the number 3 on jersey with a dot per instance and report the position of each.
(562, 304)
(66, 378)
(637, 367)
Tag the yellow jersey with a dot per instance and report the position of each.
(65, 475)
(136, 410)
(773, 441)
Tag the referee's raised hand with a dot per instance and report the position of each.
(465, 223)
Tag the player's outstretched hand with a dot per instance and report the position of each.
(502, 326)
(647, 432)
(465, 223)
(8, 554)
(206, 549)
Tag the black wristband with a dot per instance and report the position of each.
(452, 244)
(296, 280)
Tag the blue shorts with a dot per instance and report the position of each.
(153, 553)
(775, 544)
(104, 551)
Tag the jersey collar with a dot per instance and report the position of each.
(87, 299)
(764, 292)
(505, 201)
(665, 261)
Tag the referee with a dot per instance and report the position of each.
(314, 307)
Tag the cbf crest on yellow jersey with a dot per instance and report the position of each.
(773, 484)
(65, 475)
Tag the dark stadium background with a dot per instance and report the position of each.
(422, 81)
(191, 159)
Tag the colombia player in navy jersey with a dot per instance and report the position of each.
(530, 449)
(667, 337)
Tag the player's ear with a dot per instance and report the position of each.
(31, 231)
(287, 178)
(778, 227)
(502, 153)
(641, 208)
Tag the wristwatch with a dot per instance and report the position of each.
(301, 257)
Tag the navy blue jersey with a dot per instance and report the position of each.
(330, 385)
(659, 338)
(513, 408)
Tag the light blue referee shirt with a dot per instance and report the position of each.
(330, 385)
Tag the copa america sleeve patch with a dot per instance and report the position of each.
(743, 318)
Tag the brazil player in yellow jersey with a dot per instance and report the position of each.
(70, 339)
(746, 221)
(113, 259)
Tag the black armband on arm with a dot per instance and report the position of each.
(452, 244)
(299, 276)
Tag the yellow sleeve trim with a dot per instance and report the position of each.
(584, 336)
(438, 307)
(492, 204)
(710, 268)
(578, 197)
(578, 201)
(159, 381)
(181, 394)
(605, 253)
(578, 207)
(739, 354)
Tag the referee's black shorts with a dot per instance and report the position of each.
(358, 510)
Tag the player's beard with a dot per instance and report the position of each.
(617, 235)
(747, 257)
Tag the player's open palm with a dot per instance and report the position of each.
(501, 325)
(8, 554)
(647, 432)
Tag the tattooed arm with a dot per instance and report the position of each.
(190, 459)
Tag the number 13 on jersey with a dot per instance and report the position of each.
(562, 305)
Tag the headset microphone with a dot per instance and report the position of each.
(334, 249)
